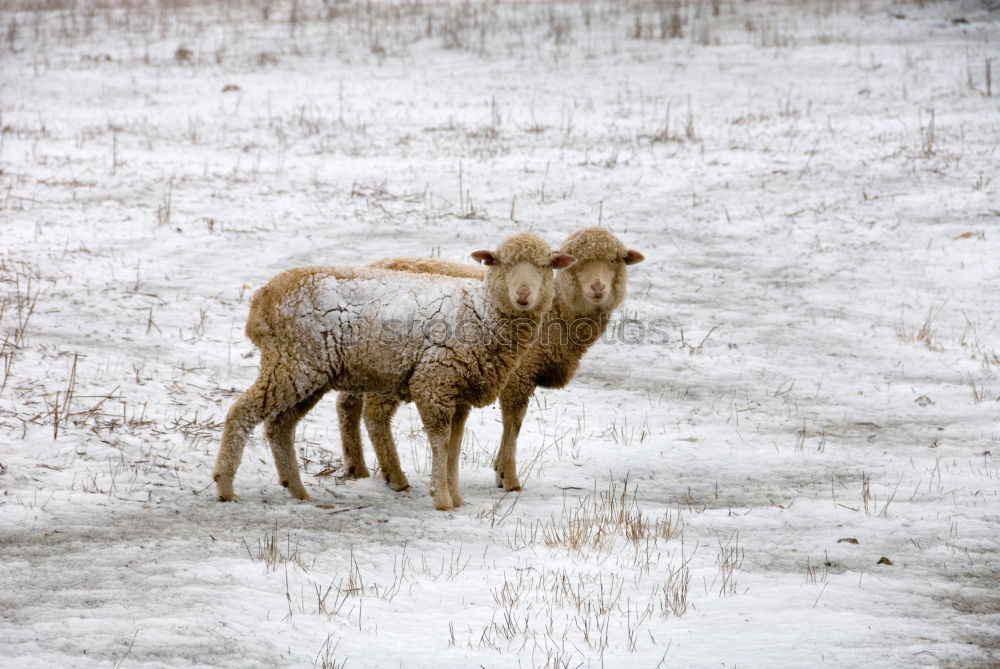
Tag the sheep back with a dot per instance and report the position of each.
(431, 266)
(389, 332)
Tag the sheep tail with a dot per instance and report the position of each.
(259, 327)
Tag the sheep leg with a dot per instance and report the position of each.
(280, 434)
(247, 411)
(437, 425)
(455, 452)
(378, 413)
(349, 406)
(513, 405)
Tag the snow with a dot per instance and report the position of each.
(395, 305)
(803, 380)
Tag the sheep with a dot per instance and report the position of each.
(338, 328)
(351, 406)
(586, 295)
(431, 266)
(378, 410)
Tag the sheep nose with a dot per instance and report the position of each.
(522, 296)
(598, 289)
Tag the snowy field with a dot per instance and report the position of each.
(784, 454)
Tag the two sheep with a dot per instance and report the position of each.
(340, 328)
(585, 296)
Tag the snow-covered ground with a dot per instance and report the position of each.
(785, 454)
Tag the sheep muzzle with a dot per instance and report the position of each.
(596, 279)
(525, 285)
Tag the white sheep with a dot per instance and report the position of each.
(586, 295)
(446, 344)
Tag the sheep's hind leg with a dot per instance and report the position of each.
(455, 452)
(247, 411)
(378, 413)
(514, 406)
(280, 434)
(349, 406)
(437, 424)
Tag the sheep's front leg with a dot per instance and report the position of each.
(349, 406)
(437, 425)
(514, 400)
(280, 434)
(455, 452)
(378, 412)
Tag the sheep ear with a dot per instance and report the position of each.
(485, 257)
(632, 257)
(562, 260)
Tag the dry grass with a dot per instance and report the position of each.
(21, 305)
(924, 333)
(870, 502)
(564, 611)
(161, 35)
(980, 392)
(552, 609)
(596, 522)
(325, 658)
(728, 561)
(269, 550)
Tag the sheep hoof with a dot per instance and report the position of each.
(296, 489)
(356, 472)
(508, 483)
(399, 485)
(442, 501)
(224, 487)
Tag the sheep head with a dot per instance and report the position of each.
(519, 273)
(597, 282)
